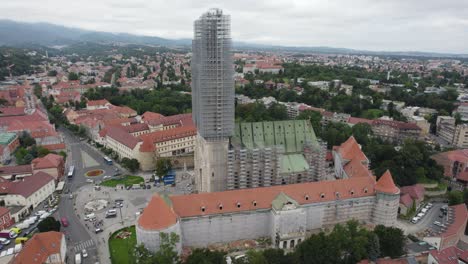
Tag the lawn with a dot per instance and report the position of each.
(119, 248)
(126, 180)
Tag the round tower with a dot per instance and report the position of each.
(386, 201)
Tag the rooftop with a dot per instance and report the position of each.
(7, 138)
(39, 248)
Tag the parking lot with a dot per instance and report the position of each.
(128, 204)
(424, 222)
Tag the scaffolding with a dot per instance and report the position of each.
(213, 76)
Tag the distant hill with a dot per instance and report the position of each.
(14, 33)
(18, 33)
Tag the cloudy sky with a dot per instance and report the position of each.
(404, 25)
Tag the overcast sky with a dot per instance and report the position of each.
(404, 25)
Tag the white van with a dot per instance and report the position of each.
(90, 216)
(424, 210)
(415, 220)
(78, 258)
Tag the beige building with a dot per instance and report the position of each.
(26, 194)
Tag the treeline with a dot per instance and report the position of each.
(163, 101)
(23, 63)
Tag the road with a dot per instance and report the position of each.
(84, 158)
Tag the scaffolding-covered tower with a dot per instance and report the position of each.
(212, 98)
(213, 76)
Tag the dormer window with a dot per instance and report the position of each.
(238, 205)
(203, 208)
(254, 203)
(351, 192)
(337, 195)
(306, 197)
(220, 206)
(365, 190)
(322, 195)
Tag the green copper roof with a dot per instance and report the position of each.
(281, 199)
(292, 163)
(291, 134)
(6, 138)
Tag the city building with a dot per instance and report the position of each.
(450, 255)
(8, 144)
(212, 98)
(48, 247)
(5, 218)
(455, 164)
(52, 164)
(23, 196)
(455, 230)
(273, 153)
(410, 196)
(286, 214)
(395, 131)
(445, 128)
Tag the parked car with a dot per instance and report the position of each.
(148, 186)
(128, 187)
(64, 221)
(415, 220)
(89, 180)
(106, 177)
(4, 241)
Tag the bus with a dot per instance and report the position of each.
(107, 160)
(71, 171)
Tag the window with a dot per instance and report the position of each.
(220, 206)
(238, 205)
(307, 197)
(322, 195)
(254, 203)
(285, 244)
(203, 208)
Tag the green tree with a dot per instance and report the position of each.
(455, 197)
(205, 256)
(167, 250)
(163, 166)
(141, 255)
(131, 164)
(373, 247)
(49, 224)
(26, 140)
(41, 151)
(73, 76)
(391, 241)
(20, 153)
(277, 256)
(315, 119)
(52, 73)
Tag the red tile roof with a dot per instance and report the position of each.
(12, 111)
(28, 186)
(146, 116)
(182, 120)
(415, 191)
(406, 200)
(170, 134)
(39, 248)
(120, 135)
(460, 215)
(53, 147)
(20, 169)
(262, 198)
(386, 185)
(355, 168)
(449, 255)
(48, 161)
(357, 120)
(396, 124)
(138, 127)
(102, 102)
(165, 215)
(4, 211)
(350, 150)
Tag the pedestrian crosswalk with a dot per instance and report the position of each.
(83, 245)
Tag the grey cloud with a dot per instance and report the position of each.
(426, 25)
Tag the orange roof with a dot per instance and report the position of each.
(146, 116)
(303, 193)
(355, 168)
(386, 185)
(53, 147)
(157, 215)
(97, 102)
(39, 248)
(460, 215)
(165, 135)
(350, 149)
(48, 161)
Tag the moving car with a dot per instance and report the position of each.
(106, 177)
(4, 241)
(89, 180)
(84, 253)
(78, 258)
(64, 221)
(20, 240)
(98, 230)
